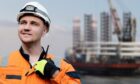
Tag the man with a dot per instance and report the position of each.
(32, 64)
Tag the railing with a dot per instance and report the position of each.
(130, 49)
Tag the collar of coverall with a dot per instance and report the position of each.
(26, 56)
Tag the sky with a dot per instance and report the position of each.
(61, 13)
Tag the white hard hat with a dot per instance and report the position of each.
(36, 9)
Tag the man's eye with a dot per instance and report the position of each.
(22, 22)
(34, 23)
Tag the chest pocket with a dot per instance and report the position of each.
(11, 75)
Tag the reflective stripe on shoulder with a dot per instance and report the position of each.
(13, 77)
(73, 74)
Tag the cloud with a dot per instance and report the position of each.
(56, 27)
(7, 24)
(59, 38)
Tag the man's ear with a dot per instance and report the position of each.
(45, 30)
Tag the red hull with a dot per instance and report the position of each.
(107, 69)
(99, 65)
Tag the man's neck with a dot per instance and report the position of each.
(32, 50)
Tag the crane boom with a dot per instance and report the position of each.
(116, 20)
(127, 34)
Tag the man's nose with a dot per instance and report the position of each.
(27, 27)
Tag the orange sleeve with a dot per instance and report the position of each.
(67, 75)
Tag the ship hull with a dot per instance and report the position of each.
(107, 69)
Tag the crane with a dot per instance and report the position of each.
(123, 34)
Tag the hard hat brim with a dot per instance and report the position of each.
(36, 14)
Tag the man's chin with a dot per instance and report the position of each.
(27, 41)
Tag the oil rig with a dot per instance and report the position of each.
(106, 57)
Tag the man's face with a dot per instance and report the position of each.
(31, 29)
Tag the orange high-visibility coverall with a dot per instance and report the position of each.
(18, 66)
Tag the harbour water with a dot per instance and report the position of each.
(86, 79)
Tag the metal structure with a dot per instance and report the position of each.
(130, 31)
(121, 50)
